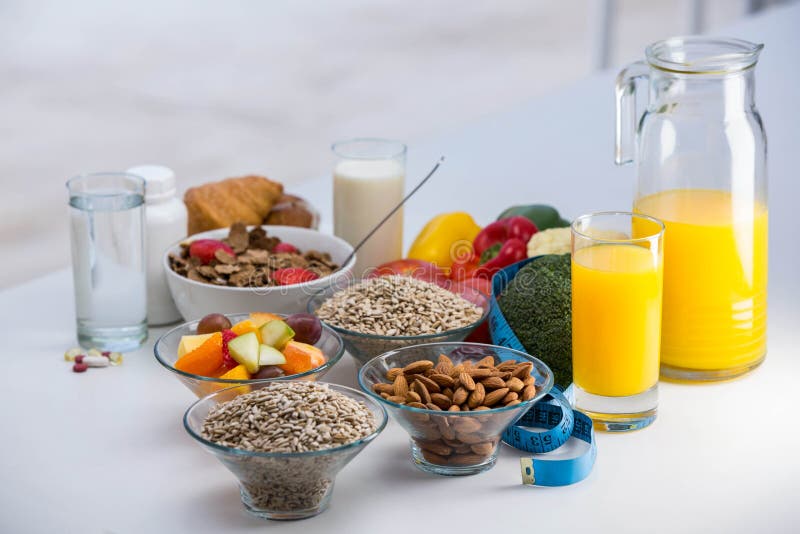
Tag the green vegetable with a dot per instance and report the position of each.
(537, 304)
(542, 215)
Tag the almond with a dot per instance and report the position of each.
(441, 401)
(444, 365)
(448, 432)
(484, 448)
(513, 403)
(383, 388)
(512, 396)
(412, 396)
(466, 381)
(417, 405)
(494, 396)
(444, 381)
(392, 373)
(515, 384)
(443, 358)
(427, 433)
(488, 361)
(436, 447)
(469, 439)
(493, 382)
(419, 366)
(400, 386)
(447, 392)
(466, 459)
(457, 370)
(429, 384)
(419, 388)
(396, 398)
(432, 406)
(434, 458)
(507, 365)
(462, 448)
(481, 408)
(385, 395)
(454, 408)
(479, 373)
(529, 381)
(476, 397)
(410, 378)
(460, 396)
(466, 425)
(529, 392)
(522, 370)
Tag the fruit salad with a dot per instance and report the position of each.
(264, 345)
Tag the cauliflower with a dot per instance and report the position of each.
(550, 241)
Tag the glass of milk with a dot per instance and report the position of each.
(368, 182)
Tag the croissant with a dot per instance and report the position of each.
(248, 199)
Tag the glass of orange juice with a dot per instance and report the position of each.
(617, 288)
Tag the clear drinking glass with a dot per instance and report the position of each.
(700, 152)
(617, 286)
(368, 182)
(107, 235)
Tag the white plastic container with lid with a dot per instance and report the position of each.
(165, 221)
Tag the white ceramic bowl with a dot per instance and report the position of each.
(196, 299)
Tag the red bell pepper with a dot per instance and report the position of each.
(512, 251)
(499, 232)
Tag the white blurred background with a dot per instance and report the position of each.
(219, 89)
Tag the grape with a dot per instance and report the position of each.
(268, 371)
(213, 322)
(307, 327)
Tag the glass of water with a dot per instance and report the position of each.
(108, 264)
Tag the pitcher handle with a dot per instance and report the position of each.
(627, 114)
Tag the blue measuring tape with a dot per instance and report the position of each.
(554, 413)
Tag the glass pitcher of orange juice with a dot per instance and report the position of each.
(700, 153)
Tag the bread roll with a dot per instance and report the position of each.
(219, 204)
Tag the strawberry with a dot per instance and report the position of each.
(285, 247)
(227, 361)
(293, 275)
(204, 249)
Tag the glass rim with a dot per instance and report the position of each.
(734, 55)
(657, 235)
(133, 178)
(381, 424)
(400, 148)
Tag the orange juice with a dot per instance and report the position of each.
(715, 279)
(616, 319)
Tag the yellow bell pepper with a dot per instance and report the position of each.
(444, 238)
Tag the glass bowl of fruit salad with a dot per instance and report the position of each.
(220, 351)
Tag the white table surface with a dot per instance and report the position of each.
(105, 451)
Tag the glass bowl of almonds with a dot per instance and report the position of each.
(455, 400)
(285, 441)
(376, 315)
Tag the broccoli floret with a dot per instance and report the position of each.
(537, 304)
